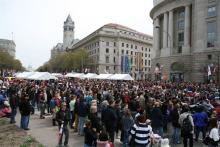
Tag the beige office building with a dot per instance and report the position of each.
(118, 49)
(186, 39)
(7, 46)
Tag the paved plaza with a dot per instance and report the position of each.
(45, 133)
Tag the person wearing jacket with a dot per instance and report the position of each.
(185, 113)
(13, 100)
(175, 114)
(25, 110)
(63, 117)
(157, 119)
(110, 119)
(214, 133)
(201, 121)
(82, 113)
(90, 135)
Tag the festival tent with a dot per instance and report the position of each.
(24, 75)
(126, 77)
(103, 76)
(74, 75)
(58, 75)
(89, 76)
(42, 76)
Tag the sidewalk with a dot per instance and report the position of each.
(45, 133)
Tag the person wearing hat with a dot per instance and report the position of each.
(63, 117)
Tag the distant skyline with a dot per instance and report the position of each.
(37, 25)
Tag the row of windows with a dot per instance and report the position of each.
(132, 47)
(68, 28)
(132, 61)
(133, 34)
(143, 69)
(92, 45)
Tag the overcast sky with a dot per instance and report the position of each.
(37, 24)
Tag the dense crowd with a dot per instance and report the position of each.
(140, 113)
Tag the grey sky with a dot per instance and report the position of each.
(37, 24)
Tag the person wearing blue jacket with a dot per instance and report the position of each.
(200, 119)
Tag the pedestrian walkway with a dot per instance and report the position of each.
(45, 133)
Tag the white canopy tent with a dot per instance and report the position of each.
(74, 75)
(125, 77)
(24, 75)
(89, 76)
(103, 76)
(42, 76)
(59, 75)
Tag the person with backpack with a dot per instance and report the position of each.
(187, 126)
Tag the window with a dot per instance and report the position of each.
(145, 55)
(131, 60)
(122, 44)
(107, 43)
(114, 51)
(179, 51)
(211, 11)
(131, 52)
(149, 49)
(182, 14)
(142, 48)
(181, 37)
(145, 49)
(211, 34)
(127, 45)
(107, 59)
(145, 62)
(148, 62)
(149, 55)
(114, 67)
(122, 51)
(181, 24)
(98, 50)
(114, 43)
(127, 52)
(114, 60)
(135, 46)
(209, 57)
(107, 50)
(107, 68)
(131, 45)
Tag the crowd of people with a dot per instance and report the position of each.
(138, 112)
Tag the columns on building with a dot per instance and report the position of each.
(165, 32)
(187, 30)
(170, 39)
(157, 36)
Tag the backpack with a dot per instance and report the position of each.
(186, 126)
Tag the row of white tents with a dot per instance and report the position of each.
(54, 76)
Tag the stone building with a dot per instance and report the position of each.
(68, 37)
(118, 49)
(8, 46)
(186, 39)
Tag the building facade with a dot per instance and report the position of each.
(7, 46)
(68, 37)
(118, 49)
(186, 39)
